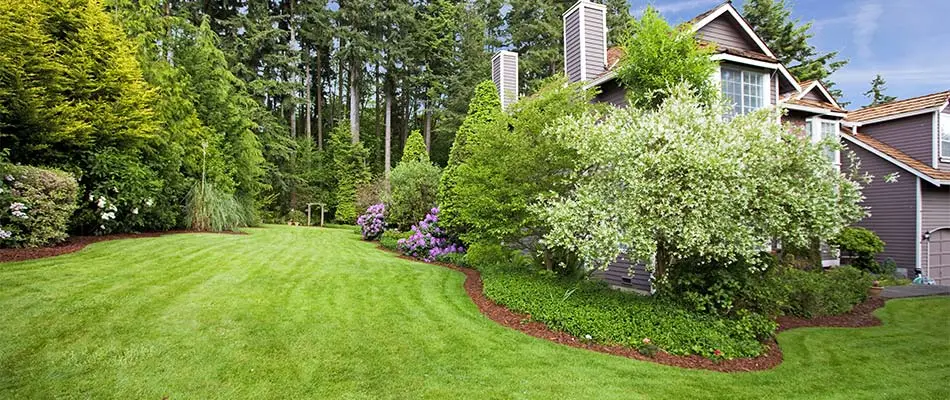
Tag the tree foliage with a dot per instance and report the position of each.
(658, 56)
(415, 185)
(876, 92)
(415, 149)
(681, 182)
(510, 163)
(349, 172)
(788, 39)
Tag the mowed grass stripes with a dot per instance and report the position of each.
(290, 312)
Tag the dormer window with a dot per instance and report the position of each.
(820, 130)
(746, 89)
(944, 136)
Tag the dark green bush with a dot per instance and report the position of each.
(390, 239)
(863, 245)
(610, 316)
(414, 186)
(296, 217)
(813, 294)
(486, 257)
(35, 205)
(726, 287)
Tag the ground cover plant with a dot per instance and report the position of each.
(287, 312)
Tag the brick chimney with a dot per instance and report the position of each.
(585, 41)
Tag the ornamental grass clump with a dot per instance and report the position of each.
(373, 222)
(427, 241)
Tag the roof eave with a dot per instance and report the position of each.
(892, 160)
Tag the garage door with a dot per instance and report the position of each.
(939, 256)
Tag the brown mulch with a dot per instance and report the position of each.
(76, 243)
(771, 358)
(862, 315)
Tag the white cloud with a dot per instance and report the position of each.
(937, 75)
(865, 25)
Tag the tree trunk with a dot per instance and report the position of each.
(428, 128)
(354, 102)
(319, 102)
(309, 112)
(376, 108)
(389, 125)
(339, 89)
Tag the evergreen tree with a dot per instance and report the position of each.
(537, 33)
(876, 92)
(415, 149)
(618, 21)
(349, 172)
(788, 39)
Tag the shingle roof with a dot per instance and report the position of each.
(614, 54)
(898, 155)
(899, 107)
(819, 104)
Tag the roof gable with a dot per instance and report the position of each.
(725, 15)
(898, 158)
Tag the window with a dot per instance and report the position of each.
(746, 89)
(820, 130)
(944, 136)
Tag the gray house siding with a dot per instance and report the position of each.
(912, 135)
(893, 208)
(626, 274)
(814, 95)
(572, 46)
(594, 40)
(612, 93)
(510, 78)
(725, 31)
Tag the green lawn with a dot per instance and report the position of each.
(315, 313)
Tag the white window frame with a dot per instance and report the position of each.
(943, 129)
(766, 85)
(815, 125)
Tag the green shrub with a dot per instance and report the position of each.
(487, 257)
(609, 316)
(863, 245)
(415, 149)
(813, 294)
(414, 187)
(726, 287)
(208, 209)
(458, 259)
(297, 217)
(35, 205)
(390, 239)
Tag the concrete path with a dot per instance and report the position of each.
(894, 292)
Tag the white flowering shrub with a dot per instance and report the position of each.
(35, 205)
(682, 182)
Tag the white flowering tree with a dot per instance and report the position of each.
(683, 182)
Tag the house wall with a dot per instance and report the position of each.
(912, 135)
(572, 46)
(797, 120)
(595, 39)
(612, 93)
(934, 211)
(626, 274)
(725, 31)
(893, 207)
(510, 78)
(814, 95)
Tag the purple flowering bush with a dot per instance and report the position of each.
(428, 241)
(373, 222)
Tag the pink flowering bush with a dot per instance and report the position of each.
(427, 241)
(373, 222)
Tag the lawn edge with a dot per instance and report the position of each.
(860, 316)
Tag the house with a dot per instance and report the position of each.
(910, 140)
(748, 72)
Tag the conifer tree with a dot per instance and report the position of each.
(876, 92)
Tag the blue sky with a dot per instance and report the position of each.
(906, 41)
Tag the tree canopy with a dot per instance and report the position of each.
(876, 92)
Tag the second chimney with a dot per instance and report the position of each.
(585, 41)
(504, 72)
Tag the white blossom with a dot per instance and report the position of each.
(92, 197)
(135, 211)
(5, 234)
(9, 178)
(108, 216)
(148, 202)
(102, 202)
(686, 181)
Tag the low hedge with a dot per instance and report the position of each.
(615, 317)
(35, 205)
(390, 239)
(813, 294)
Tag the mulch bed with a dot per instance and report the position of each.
(76, 243)
(860, 316)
